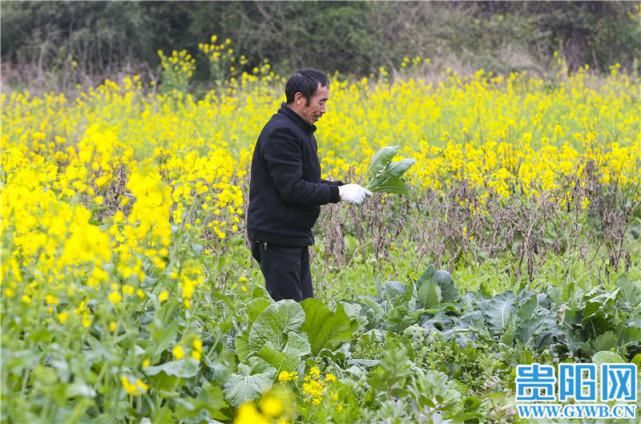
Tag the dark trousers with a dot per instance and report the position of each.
(286, 270)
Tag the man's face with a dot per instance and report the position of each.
(311, 111)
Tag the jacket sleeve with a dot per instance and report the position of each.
(335, 183)
(284, 158)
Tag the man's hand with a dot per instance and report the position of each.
(353, 193)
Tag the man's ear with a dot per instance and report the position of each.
(299, 99)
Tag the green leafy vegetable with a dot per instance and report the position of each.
(607, 357)
(250, 382)
(325, 329)
(384, 176)
(274, 323)
(185, 368)
(274, 336)
(286, 358)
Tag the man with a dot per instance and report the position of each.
(286, 189)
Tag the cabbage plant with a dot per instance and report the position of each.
(384, 176)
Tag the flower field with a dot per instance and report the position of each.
(128, 294)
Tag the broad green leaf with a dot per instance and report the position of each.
(380, 160)
(290, 357)
(631, 333)
(274, 323)
(507, 338)
(442, 276)
(367, 363)
(164, 384)
(325, 329)
(282, 361)
(388, 184)
(220, 371)
(427, 275)
(429, 295)
(213, 400)
(605, 341)
(258, 365)
(449, 292)
(248, 384)
(599, 302)
(527, 322)
(352, 310)
(397, 169)
(185, 368)
(498, 312)
(79, 388)
(526, 310)
(185, 408)
(206, 406)
(630, 292)
(392, 290)
(374, 312)
(164, 336)
(471, 403)
(241, 343)
(279, 360)
(256, 307)
(297, 345)
(607, 357)
(384, 176)
(164, 415)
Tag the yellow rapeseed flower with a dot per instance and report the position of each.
(63, 316)
(330, 377)
(197, 344)
(51, 300)
(248, 414)
(314, 372)
(134, 388)
(85, 320)
(178, 352)
(313, 388)
(163, 296)
(128, 289)
(285, 376)
(271, 406)
(115, 297)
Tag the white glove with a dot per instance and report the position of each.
(353, 193)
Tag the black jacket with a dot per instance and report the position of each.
(286, 189)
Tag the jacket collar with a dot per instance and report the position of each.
(304, 125)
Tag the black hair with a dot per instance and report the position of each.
(306, 82)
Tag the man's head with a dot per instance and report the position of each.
(307, 91)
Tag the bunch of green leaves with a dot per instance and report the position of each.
(588, 322)
(280, 335)
(384, 176)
